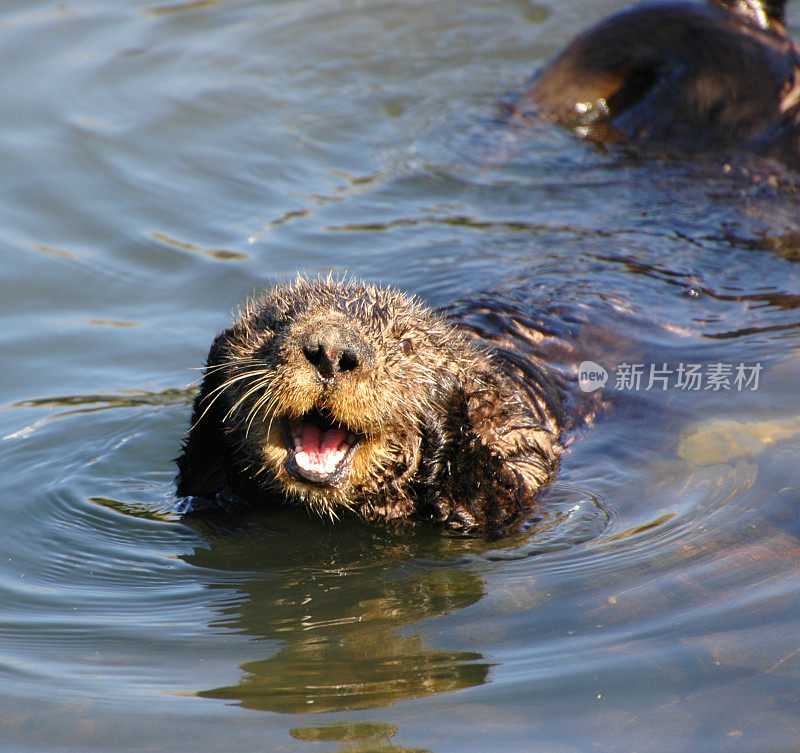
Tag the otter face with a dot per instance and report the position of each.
(322, 388)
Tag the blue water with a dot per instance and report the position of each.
(161, 162)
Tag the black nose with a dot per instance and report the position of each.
(331, 352)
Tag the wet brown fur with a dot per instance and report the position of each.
(697, 76)
(454, 430)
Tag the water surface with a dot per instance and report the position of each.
(161, 162)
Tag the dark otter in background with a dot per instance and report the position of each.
(346, 396)
(692, 75)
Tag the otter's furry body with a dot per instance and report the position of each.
(345, 396)
(696, 76)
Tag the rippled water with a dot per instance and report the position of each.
(163, 161)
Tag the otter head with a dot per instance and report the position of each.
(323, 391)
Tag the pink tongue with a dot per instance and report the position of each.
(320, 450)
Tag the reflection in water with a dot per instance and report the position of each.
(122, 399)
(66, 406)
(185, 6)
(339, 600)
(369, 669)
(354, 738)
(721, 440)
(212, 253)
(341, 622)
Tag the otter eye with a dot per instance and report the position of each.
(406, 347)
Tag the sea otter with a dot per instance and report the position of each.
(691, 75)
(345, 396)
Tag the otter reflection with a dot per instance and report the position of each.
(355, 737)
(338, 605)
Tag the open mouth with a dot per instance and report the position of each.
(320, 448)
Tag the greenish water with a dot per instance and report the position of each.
(162, 161)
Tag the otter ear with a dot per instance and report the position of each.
(202, 466)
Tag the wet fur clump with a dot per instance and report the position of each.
(350, 397)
